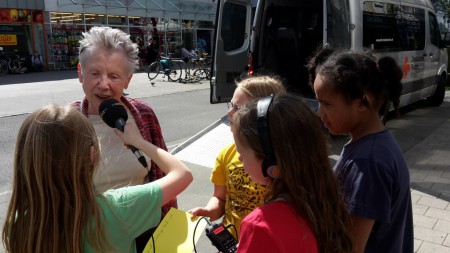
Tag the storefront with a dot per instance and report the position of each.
(53, 28)
(65, 30)
(171, 23)
(22, 33)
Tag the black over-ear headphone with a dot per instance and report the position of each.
(269, 162)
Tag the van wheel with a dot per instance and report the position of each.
(438, 97)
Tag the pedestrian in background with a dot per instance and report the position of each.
(37, 62)
(141, 52)
(201, 47)
(151, 51)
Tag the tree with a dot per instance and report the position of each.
(442, 5)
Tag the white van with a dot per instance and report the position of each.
(278, 36)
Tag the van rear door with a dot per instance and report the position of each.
(231, 44)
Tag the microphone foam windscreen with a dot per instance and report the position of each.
(111, 110)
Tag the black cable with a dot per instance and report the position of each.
(153, 241)
(235, 230)
(196, 225)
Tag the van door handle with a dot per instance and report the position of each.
(424, 55)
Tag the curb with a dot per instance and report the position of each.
(189, 141)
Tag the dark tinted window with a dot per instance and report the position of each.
(434, 30)
(389, 27)
(338, 22)
(233, 26)
(413, 28)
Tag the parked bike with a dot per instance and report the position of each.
(167, 67)
(12, 64)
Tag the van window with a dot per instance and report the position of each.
(412, 28)
(434, 30)
(391, 27)
(233, 26)
(338, 24)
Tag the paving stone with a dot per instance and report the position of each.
(442, 225)
(414, 197)
(424, 221)
(417, 244)
(421, 193)
(429, 235)
(420, 209)
(436, 178)
(433, 202)
(438, 213)
(447, 241)
(446, 174)
(427, 247)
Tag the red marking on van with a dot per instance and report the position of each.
(406, 68)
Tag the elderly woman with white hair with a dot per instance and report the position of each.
(107, 61)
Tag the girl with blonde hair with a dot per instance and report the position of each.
(235, 194)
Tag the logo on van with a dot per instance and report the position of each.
(406, 68)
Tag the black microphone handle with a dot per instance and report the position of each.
(120, 124)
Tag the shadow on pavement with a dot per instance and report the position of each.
(38, 77)
(422, 133)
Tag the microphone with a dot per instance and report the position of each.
(113, 113)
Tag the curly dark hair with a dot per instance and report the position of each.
(355, 74)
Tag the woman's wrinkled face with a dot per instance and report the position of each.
(104, 75)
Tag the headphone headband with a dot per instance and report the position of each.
(263, 131)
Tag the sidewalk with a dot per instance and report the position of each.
(429, 166)
(63, 86)
(425, 143)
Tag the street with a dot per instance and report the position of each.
(184, 109)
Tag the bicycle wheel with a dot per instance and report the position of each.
(174, 73)
(153, 70)
(3, 67)
(201, 73)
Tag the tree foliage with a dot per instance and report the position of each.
(442, 5)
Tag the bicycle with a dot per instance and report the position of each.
(205, 67)
(15, 64)
(165, 66)
(190, 66)
(195, 70)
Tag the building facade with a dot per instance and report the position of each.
(53, 28)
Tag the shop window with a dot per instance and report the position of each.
(65, 47)
(116, 20)
(60, 18)
(95, 19)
